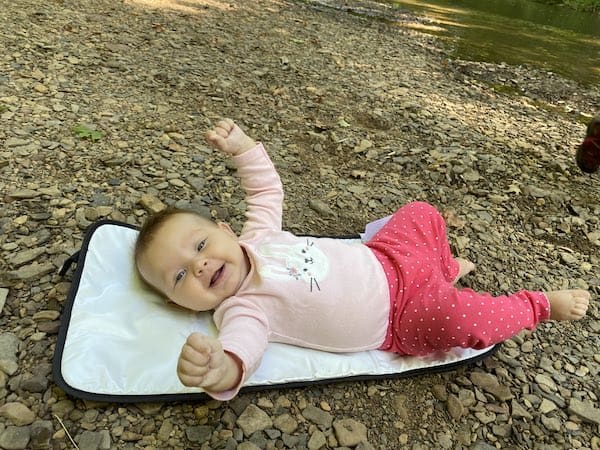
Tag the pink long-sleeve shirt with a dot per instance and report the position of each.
(320, 293)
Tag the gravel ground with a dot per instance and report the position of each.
(103, 105)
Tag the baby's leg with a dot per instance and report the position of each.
(443, 317)
(568, 305)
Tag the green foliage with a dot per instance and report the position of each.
(84, 132)
(584, 5)
(3, 108)
(581, 5)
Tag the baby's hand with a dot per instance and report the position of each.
(202, 362)
(229, 138)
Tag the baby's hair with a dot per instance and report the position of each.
(148, 232)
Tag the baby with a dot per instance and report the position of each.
(396, 292)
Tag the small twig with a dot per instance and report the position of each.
(66, 431)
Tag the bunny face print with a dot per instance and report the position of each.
(303, 262)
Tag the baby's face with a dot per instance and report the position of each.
(195, 263)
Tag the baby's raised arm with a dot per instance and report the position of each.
(229, 138)
(258, 176)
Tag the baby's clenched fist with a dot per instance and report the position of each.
(227, 137)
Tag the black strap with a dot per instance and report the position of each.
(69, 262)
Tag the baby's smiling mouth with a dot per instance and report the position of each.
(216, 276)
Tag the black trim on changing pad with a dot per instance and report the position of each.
(79, 258)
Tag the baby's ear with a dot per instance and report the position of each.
(225, 227)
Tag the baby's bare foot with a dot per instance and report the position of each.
(465, 266)
(571, 304)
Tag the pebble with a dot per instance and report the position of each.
(15, 438)
(3, 297)
(489, 383)
(519, 411)
(202, 433)
(9, 346)
(455, 407)
(165, 430)
(551, 423)
(253, 419)
(89, 440)
(26, 256)
(547, 406)
(585, 410)
(17, 413)
(32, 271)
(16, 142)
(349, 432)
(320, 207)
(546, 381)
(40, 434)
(23, 194)
(285, 423)
(319, 417)
(151, 203)
(317, 440)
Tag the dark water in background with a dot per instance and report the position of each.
(554, 38)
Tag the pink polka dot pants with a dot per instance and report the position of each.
(427, 312)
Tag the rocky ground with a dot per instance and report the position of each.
(103, 105)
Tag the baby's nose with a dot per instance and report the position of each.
(200, 265)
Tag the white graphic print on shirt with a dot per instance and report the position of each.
(302, 261)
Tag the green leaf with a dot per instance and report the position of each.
(85, 132)
(96, 135)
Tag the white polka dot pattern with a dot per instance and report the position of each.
(428, 312)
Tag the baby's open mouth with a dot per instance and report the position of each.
(216, 276)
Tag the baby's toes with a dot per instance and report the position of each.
(581, 307)
(581, 301)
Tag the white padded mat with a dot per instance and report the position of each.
(121, 342)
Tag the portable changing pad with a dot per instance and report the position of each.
(118, 342)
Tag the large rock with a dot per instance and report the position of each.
(253, 419)
(349, 432)
(17, 413)
(585, 410)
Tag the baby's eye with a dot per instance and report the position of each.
(179, 276)
(201, 245)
